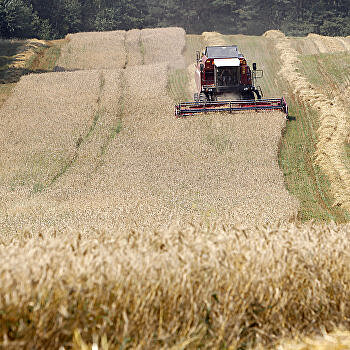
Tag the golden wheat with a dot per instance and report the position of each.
(104, 50)
(116, 166)
(131, 164)
(337, 340)
(210, 286)
(164, 45)
(41, 123)
(134, 48)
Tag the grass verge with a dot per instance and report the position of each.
(303, 177)
(45, 58)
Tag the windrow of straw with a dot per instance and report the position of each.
(25, 54)
(334, 122)
(315, 44)
(326, 44)
(201, 286)
(29, 50)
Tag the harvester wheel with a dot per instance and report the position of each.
(258, 95)
(202, 97)
(248, 95)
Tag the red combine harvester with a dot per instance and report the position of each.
(223, 74)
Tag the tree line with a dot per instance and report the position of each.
(54, 19)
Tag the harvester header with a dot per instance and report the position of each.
(185, 109)
(221, 73)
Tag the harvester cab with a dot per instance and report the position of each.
(223, 70)
(225, 82)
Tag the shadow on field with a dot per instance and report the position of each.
(8, 49)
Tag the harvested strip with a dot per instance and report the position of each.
(334, 119)
(96, 50)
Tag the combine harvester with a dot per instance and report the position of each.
(222, 72)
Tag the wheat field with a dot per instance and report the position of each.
(124, 227)
(102, 148)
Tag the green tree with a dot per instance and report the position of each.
(53, 19)
(17, 19)
(106, 19)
